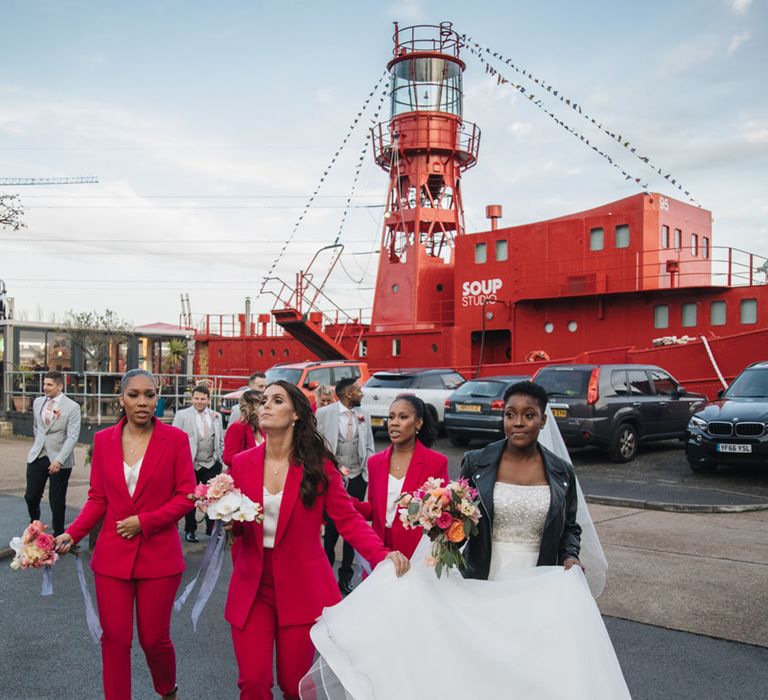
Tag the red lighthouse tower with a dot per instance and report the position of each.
(425, 147)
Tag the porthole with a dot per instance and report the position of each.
(395, 288)
(439, 287)
(549, 327)
(434, 347)
(572, 326)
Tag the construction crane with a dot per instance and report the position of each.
(19, 181)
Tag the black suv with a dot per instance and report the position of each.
(733, 429)
(617, 407)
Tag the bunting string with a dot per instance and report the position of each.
(478, 50)
(323, 178)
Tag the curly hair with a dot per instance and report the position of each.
(309, 448)
(248, 405)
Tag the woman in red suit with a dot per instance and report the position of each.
(281, 579)
(404, 466)
(141, 474)
(244, 433)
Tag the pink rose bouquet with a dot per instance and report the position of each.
(448, 515)
(219, 499)
(34, 549)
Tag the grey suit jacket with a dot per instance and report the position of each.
(58, 440)
(328, 427)
(186, 420)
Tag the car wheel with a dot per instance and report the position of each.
(458, 440)
(624, 443)
(702, 467)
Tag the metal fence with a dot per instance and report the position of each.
(97, 392)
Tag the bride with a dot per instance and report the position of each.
(520, 623)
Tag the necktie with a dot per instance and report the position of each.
(204, 424)
(350, 425)
(48, 413)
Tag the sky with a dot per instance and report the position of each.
(209, 126)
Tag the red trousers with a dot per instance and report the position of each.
(255, 644)
(154, 601)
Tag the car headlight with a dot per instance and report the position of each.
(697, 423)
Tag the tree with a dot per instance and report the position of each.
(11, 212)
(96, 334)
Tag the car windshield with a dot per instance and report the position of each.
(564, 382)
(390, 381)
(485, 389)
(286, 373)
(750, 384)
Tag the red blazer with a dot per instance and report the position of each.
(424, 464)
(304, 580)
(238, 438)
(160, 499)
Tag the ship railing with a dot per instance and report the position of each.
(97, 392)
(430, 38)
(630, 271)
(235, 325)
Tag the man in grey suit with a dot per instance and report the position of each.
(203, 427)
(347, 430)
(56, 428)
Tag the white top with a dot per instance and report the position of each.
(344, 413)
(394, 488)
(132, 475)
(519, 512)
(271, 507)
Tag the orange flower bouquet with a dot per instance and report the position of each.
(448, 515)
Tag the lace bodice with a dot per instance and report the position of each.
(519, 512)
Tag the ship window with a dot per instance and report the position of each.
(749, 311)
(622, 236)
(704, 247)
(717, 313)
(395, 347)
(661, 316)
(572, 326)
(481, 254)
(501, 250)
(549, 327)
(694, 244)
(689, 315)
(665, 236)
(363, 351)
(596, 240)
(678, 239)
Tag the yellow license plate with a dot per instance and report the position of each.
(469, 408)
(559, 413)
(377, 422)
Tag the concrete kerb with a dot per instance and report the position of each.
(673, 507)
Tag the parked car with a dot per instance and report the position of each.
(733, 429)
(617, 407)
(306, 375)
(433, 386)
(475, 411)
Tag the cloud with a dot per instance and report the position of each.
(520, 129)
(740, 7)
(738, 40)
(689, 56)
(409, 10)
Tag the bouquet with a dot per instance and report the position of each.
(34, 549)
(220, 500)
(448, 514)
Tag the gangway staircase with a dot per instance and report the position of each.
(297, 311)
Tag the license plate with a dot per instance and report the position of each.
(728, 447)
(468, 408)
(377, 422)
(559, 413)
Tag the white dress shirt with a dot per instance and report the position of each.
(344, 414)
(271, 508)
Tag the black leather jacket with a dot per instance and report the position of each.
(562, 534)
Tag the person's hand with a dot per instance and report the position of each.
(400, 561)
(570, 562)
(63, 543)
(54, 467)
(129, 528)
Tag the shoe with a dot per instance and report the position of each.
(191, 537)
(345, 588)
(174, 693)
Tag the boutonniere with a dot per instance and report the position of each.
(361, 418)
(214, 415)
(56, 413)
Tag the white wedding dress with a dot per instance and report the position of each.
(529, 632)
